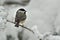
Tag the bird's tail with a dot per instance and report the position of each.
(17, 25)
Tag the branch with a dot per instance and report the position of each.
(21, 26)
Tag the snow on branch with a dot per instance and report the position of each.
(37, 33)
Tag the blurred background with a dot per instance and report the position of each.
(43, 13)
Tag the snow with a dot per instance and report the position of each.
(36, 32)
(7, 28)
(45, 36)
(43, 13)
(51, 37)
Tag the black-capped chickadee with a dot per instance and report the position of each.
(20, 17)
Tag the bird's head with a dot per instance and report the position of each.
(22, 11)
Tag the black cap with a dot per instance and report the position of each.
(22, 9)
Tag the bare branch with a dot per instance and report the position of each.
(21, 26)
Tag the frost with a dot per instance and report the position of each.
(7, 28)
(3, 16)
(36, 32)
(45, 36)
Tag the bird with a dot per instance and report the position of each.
(20, 17)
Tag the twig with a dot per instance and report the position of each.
(21, 26)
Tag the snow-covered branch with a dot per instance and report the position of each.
(36, 32)
(45, 36)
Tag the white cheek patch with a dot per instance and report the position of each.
(21, 11)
